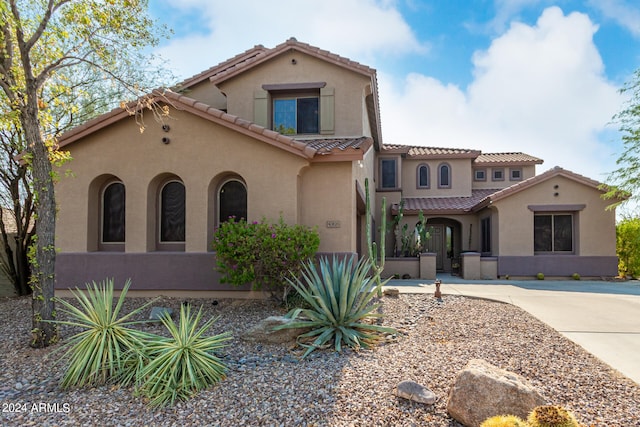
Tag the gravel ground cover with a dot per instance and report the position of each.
(268, 386)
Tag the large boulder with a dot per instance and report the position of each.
(481, 391)
(265, 332)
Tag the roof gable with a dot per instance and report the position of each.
(528, 183)
(291, 44)
(344, 149)
(421, 152)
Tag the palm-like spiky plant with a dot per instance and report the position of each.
(98, 352)
(340, 298)
(183, 364)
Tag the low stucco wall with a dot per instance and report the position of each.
(402, 266)
(148, 271)
(558, 265)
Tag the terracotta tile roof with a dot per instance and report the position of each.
(304, 148)
(221, 67)
(336, 143)
(523, 185)
(291, 43)
(430, 152)
(510, 158)
(443, 205)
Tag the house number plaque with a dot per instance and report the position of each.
(333, 224)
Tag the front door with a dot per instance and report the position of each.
(437, 244)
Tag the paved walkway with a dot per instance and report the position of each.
(602, 317)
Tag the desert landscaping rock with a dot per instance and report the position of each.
(265, 331)
(482, 390)
(158, 312)
(274, 388)
(411, 390)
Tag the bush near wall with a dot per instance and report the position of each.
(263, 254)
(628, 246)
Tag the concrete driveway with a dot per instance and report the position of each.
(602, 317)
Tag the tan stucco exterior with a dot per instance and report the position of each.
(219, 130)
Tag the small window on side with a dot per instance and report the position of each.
(498, 175)
(480, 175)
(515, 174)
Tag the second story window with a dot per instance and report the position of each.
(444, 176)
(388, 173)
(296, 115)
(423, 176)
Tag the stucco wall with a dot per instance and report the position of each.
(349, 88)
(200, 153)
(328, 201)
(208, 93)
(527, 172)
(594, 226)
(460, 178)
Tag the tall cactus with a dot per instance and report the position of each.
(376, 266)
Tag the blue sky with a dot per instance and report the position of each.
(537, 76)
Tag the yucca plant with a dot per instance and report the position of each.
(183, 364)
(98, 352)
(340, 297)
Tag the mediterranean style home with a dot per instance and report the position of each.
(293, 132)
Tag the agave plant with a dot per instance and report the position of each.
(340, 297)
(183, 364)
(98, 352)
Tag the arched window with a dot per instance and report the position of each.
(444, 176)
(422, 177)
(232, 200)
(113, 214)
(172, 213)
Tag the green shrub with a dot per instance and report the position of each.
(540, 276)
(504, 421)
(99, 351)
(628, 246)
(575, 276)
(551, 416)
(339, 295)
(183, 364)
(263, 254)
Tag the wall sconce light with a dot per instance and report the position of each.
(166, 128)
(166, 140)
(556, 194)
(294, 61)
(555, 187)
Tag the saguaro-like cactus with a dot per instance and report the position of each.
(376, 265)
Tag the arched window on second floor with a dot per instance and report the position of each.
(444, 175)
(422, 176)
(172, 212)
(112, 232)
(232, 200)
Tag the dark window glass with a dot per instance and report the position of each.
(485, 226)
(562, 233)
(553, 233)
(498, 174)
(388, 171)
(444, 176)
(172, 213)
(233, 201)
(542, 235)
(113, 216)
(307, 115)
(423, 176)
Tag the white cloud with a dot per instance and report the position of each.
(538, 89)
(625, 13)
(358, 29)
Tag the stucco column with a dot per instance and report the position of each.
(471, 266)
(428, 265)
